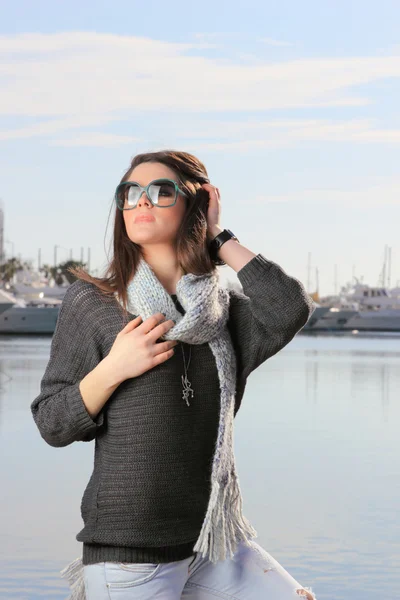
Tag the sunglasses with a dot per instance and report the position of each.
(161, 192)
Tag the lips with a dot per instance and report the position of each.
(145, 219)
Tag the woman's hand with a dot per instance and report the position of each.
(136, 350)
(214, 211)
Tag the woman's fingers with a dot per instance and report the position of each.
(131, 325)
(164, 346)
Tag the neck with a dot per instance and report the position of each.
(165, 265)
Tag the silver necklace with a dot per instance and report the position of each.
(187, 389)
(185, 381)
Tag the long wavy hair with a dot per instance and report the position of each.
(191, 241)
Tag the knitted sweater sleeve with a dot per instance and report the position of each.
(59, 411)
(266, 317)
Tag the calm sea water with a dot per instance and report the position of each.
(317, 447)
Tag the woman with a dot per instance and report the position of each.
(152, 362)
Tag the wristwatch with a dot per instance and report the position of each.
(217, 242)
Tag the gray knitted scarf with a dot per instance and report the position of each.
(206, 307)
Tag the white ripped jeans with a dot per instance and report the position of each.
(251, 574)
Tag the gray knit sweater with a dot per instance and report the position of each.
(148, 493)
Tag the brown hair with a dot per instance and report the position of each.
(191, 243)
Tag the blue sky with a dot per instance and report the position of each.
(292, 106)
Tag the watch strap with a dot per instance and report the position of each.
(217, 242)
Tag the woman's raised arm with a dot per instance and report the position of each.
(266, 317)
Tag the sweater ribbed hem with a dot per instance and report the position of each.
(84, 422)
(254, 270)
(93, 553)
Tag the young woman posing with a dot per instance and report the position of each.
(151, 361)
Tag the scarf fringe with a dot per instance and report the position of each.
(224, 525)
(73, 573)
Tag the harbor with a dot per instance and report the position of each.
(30, 300)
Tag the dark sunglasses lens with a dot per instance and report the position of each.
(132, 194)
(127, 196)
(162, 193)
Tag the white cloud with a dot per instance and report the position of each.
(280, 133)
(235, 136)
(73, 73)
(95, 139)
(361, 195)
(49, 127)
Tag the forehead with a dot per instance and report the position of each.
(146, 172)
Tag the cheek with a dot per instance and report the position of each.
(175, 216)
(129, 224)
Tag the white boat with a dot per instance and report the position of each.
(34, 315)
(358, 309)
(364, 297)
(327, 319)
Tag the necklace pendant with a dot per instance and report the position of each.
(186, 389)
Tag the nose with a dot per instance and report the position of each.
(146, 198)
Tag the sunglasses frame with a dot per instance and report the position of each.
(146, 190)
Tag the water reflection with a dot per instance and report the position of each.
(375, 373)
(317, 447)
